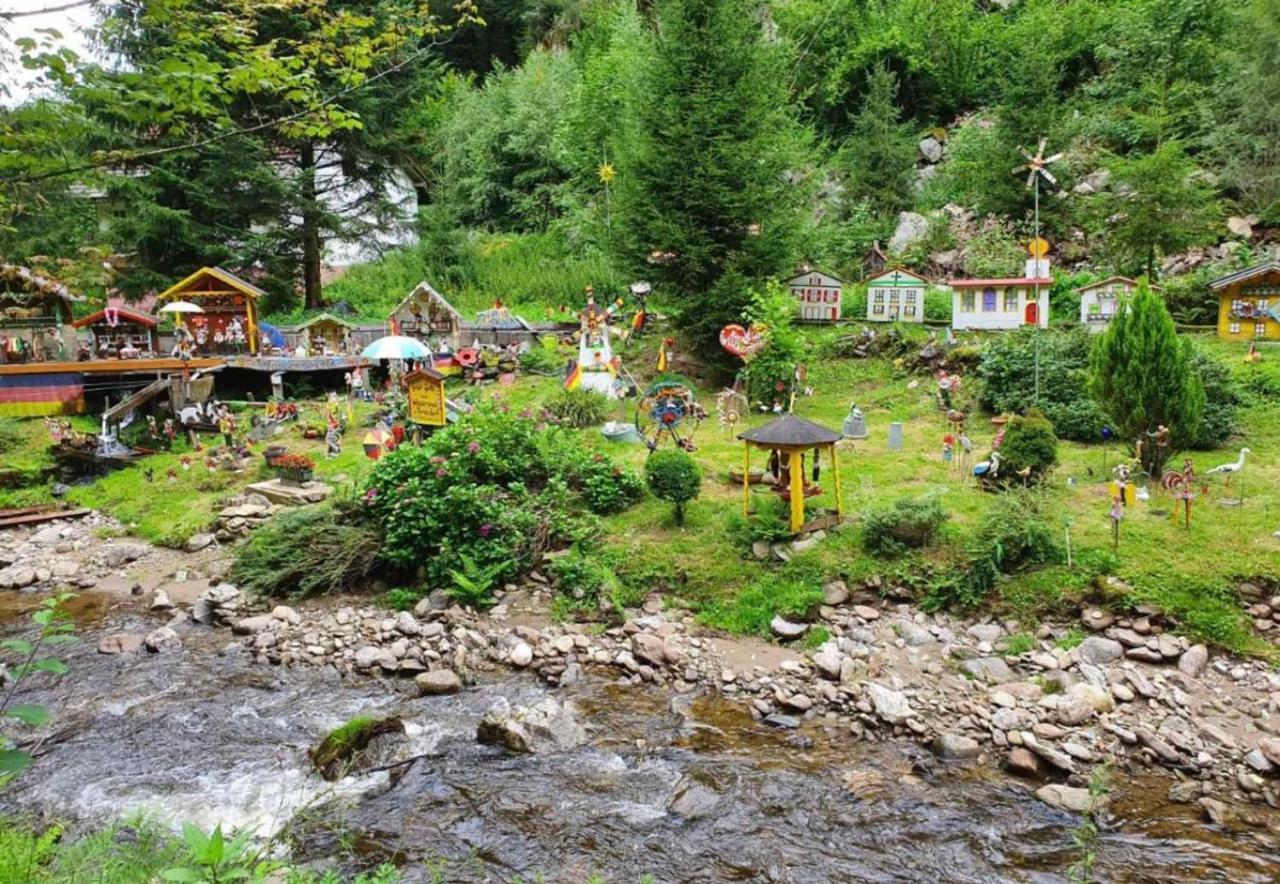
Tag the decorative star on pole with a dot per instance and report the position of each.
(606, 173)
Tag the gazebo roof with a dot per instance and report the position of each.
(790, 431)
(186, 287)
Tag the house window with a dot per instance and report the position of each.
(1095, 310)
(1260, 330)
(877, 302)
(909, 298)
(988, 300)
(1233, 328)
(1010, 300)
(966, 302)
(831, 297)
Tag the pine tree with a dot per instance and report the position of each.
(710, 182)
(1143, 377)
(881, 154)
(1250, 126)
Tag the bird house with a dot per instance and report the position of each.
(425, 396)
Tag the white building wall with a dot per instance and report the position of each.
(1001, 318)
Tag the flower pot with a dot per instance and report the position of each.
(272, 452)
(295, 476)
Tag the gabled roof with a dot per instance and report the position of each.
(817, 271)
(790, 430)
(896, 269)
(33, 283)
(1112, 279)
(424, 371)
(1017, 280)
(324, 317)
(128, 314)
(1246, 274)
(224, 276)
(424, 289)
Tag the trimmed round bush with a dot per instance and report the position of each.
(674, 477)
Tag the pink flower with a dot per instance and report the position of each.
(486, 529)
(440, 473)
(473, 447)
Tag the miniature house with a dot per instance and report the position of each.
(228, 304)
(1099, 301)
(896, 295)
(121, 332)
(35, 317)
(1249, 303)
(325, 333)
(1003, 303)
(425, 313)
(818, 296)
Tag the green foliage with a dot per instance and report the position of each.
(816, 637)
(1030, 444)
(214, 859)
(134, 853)
(11, 436)
(1142, 375)
(586, 582)
(544, 359)
(1249, 130)
(1221, 400)
(881, 153)
(1070, 639)
(994, 253)
(316, 550)
(606, 487)
(338, 750)
(53, 627)
(770, 522)
(1019, 643)
(1008, 374)
(579, 408)
(675, 477)
(751, 610)
(910, 522)
(710, 174)
(771, 372)
(474, 584)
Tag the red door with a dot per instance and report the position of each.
(1033, 313)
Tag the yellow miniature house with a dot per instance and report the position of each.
(425, 394)
(226, 301)
(1249, 303)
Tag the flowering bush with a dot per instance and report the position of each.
(293, 462)
(495, 489)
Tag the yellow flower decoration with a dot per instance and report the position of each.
(607, 173)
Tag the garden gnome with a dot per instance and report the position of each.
(855, 425)
(226, 426)
(947, 384)
(333, 440)
(170, 432)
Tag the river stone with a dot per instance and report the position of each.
(1022, 762)
(1217, 812)
(1259, 762)
(1097, 619)
(992, 670)
(784, 722)
(65, 568)
(120, 643)
(692, 800)
(915, 635)
(1184, 792)
(890, 705)
(866, 612)
(828, 660)
(1193, 661)
(985, 632)
(546, 726)
(956, 746)
(123, 553)
(253, 625)
(286, 614)
(438, 681)
(198, 542)
(784, 628)
(521, 655)
(1098, 699)
(162, 639)
(1099, 651)
(1270, 749)
(21, 576)
(1069, 798)
(653, 649)
(835, 593)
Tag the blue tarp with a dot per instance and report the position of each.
(271, 335)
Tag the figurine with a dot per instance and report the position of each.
(333, 440)
(1121, 488)
(855, 425)
(1117, 516)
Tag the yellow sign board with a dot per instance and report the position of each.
(1038, 247)
(425, 398)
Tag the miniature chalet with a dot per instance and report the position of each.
(1003, 303)
(229, 309)
(35, 317)
(424, 313)
(896, 295)
(1249, 303)
(818, 295)
(121, 332)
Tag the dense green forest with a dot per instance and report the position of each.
(704, 144)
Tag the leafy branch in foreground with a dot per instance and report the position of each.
(55, 628)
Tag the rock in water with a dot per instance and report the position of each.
(1069, 798)
(546, 726)
(692, 800)
(338, 753)
(438, 681)
(956, 746)
(162, 639)
(890, 705)
(121, 643)
(521, 655)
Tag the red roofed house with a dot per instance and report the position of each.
(120, 331)
(1002, 303)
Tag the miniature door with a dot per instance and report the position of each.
(425, 398)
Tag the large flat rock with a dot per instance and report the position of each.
(277, 491)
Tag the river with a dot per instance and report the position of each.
(209, 736)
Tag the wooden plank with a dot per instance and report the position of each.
(150, 391)
(37, 518)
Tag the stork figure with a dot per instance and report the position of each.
(966, 450)
(987, 469)
(1230, 469)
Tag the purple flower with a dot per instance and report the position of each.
(486, 529)
(440, 473)
(473, 447)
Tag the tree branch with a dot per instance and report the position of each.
(24, 13)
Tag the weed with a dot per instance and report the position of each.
(750, 612)
(1019, 643)
(1072, 638)
(816, 637)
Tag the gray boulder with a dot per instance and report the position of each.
(784, 628)
(1099, 651)
(992, 670)
(437, 682)
(890, 705)
(956, 746)
(546, 726)
(912, 227)
(1069, 798)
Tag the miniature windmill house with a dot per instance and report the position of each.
(1249, 303)
(896, 295)
(1100, 301)
(819, 296)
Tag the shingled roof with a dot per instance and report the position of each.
(788, 431)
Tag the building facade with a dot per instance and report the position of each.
(1249, 303)
(896, 295)
(818, 295)
(1099, 301)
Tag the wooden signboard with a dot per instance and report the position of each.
(425, 394)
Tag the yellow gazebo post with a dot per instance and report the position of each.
(746, 479)
(795, 466)
(835, 472)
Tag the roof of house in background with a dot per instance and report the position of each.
(1112, 279)
(895, 269)
(324, 317)
(1017, 280)
(32, 283)
(1246, 274)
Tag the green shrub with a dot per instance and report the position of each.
(578, 408)
(583, 577)
(1030, 446)
(1222, 399)
(770, 523)
(474, 584)
(906, 523)
(673, 476)
(606, 487)
(545, 358)
(10, 435)
(307, 551)
(1008, 375)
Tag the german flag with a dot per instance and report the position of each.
(34, 395)
(573, 380)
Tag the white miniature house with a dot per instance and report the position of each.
(818, 295)
(1099, 301)
(1003, 303)
(896, 295)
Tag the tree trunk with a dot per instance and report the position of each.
(313, 297)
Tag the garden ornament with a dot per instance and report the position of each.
(855, 425)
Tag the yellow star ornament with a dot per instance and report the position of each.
(607, 173)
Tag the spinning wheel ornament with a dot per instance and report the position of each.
(667, 406)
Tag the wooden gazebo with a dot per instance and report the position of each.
(789, 439)
(225, 300)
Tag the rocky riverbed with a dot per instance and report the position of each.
(1129, 694)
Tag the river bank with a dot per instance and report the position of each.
(187, 690)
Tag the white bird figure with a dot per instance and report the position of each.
(966, 443)
(1142, 494)
(988, 469)
(1230, 469)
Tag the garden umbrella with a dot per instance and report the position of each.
(375, 441)
(396, 347)
(181, 307)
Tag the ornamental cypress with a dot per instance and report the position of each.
(1143, 377)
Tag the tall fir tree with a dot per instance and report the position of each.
(881, 154)
(714, 185)
(1143, 377)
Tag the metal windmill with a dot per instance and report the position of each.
(1037, 168)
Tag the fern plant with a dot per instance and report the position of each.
(473, 584)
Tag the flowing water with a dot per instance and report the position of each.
(211, 737)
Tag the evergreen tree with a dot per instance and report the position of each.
(1143, 377)
(1251, 125)
(710, 182)
(881, 154)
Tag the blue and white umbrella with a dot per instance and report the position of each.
(396, 347)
